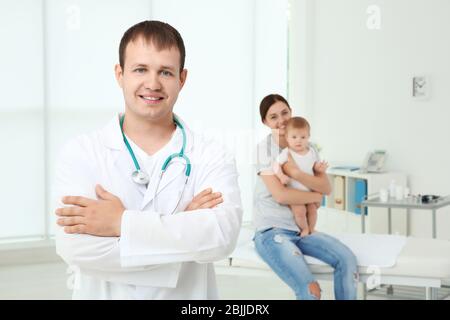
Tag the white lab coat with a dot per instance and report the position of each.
(158, 256)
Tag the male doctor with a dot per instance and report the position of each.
(142, 237)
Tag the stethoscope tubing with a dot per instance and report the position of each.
(141, 177)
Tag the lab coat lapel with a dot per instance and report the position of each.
(111, 137)
(174, 170)
(177, 168)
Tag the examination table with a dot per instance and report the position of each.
(411, 261)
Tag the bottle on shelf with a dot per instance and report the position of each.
(392, 189)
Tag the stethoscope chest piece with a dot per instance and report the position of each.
(140, 177)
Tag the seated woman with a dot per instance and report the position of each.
(277, 238)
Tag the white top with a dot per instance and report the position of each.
(158, 256)
(304, 162)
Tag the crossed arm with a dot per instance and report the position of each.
(98, 233)
(103, 217)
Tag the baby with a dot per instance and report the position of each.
(297, 136)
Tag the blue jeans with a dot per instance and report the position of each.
(283, 251)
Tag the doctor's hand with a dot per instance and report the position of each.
(102, 217)
(205, 200)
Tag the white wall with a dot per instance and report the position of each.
(360, 83)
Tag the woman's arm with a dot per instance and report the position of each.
(284, 179)
(288, 196)
(319, 182)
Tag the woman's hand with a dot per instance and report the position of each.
(284, 179)
(290, 167)
(317, 182)
(320, 167)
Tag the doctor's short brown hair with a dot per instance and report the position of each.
(162, 35)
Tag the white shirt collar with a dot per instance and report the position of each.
(111, 135)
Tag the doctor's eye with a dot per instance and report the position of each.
(166, 73)
(139, 70)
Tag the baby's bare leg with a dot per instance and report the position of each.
(299, 212)
(312, 216)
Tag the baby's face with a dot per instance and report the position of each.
(298, 139)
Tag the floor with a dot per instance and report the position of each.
(49, 282)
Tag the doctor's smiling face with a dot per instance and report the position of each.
(151, 75)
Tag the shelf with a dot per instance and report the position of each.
(348, 189)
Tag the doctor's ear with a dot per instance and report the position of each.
(183, 76)
(118, 73)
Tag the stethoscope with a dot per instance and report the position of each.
(141, 177)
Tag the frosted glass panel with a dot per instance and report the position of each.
(21, 55)
(22, 175)
(83, 44)
(21, 110)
